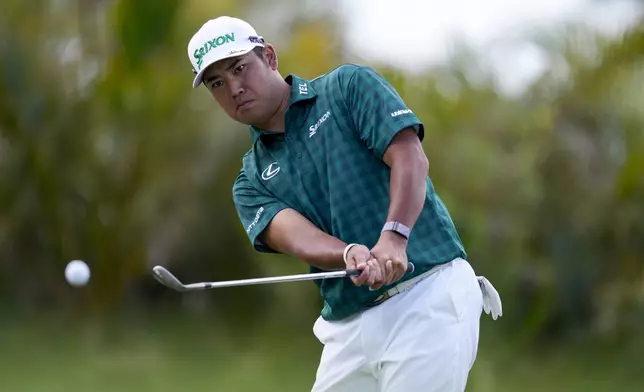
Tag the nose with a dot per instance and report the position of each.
(235, 88)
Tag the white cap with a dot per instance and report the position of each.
(220, 39)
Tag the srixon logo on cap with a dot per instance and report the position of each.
(211, 44)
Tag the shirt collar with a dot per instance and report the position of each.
(301, 90)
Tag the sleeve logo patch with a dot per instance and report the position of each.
(254, 222)
(401, 112)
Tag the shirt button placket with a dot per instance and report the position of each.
(292, 146)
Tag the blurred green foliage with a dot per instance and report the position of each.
(108, 155)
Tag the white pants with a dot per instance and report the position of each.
(423, 339)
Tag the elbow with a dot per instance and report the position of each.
(415, 158)
(418, 160)
(423, 162)
(413, 161)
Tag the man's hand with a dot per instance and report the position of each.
(359, 258)
(389, 259)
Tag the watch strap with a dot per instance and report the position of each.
(398, 228)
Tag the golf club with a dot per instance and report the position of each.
(166, 278)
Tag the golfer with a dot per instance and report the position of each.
(336, 176)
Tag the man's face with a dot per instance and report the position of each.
(244, 86)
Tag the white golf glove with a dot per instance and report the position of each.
(491, 299)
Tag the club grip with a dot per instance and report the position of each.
(355, 272)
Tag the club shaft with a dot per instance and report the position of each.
(166, 278)
(276, 279)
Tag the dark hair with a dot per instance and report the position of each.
(259, 51)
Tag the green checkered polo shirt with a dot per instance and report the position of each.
(328, 166)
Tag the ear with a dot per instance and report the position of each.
(271, 56)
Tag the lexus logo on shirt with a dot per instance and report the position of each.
(270, 172)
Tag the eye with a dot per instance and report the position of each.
(216, 83)
(239, 68)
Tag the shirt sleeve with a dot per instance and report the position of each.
(377, 110)
(255, 209)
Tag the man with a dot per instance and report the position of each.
(337, 177)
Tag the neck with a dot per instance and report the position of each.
(276, 122)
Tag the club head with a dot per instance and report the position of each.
(166, 278)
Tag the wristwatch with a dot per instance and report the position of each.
(397, 227)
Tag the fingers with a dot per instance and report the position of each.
(363, 277)
(382, 273)
(399, 268)
(376, 270)
(387, 272)
(359, 262)
(377, 276)
(372, 274)
(390, 272)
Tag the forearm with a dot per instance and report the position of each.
(292, 234)
(320, 250)
(407, 188)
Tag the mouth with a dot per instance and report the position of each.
(244, 105)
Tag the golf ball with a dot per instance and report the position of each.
(77, 273)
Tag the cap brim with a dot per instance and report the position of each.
(236, 53)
